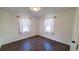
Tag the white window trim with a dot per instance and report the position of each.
(21, 29)
(52, 28)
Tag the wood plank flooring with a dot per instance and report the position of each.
(35, 43)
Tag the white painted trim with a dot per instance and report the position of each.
(75, 26)
(0, 46)
(15, 40)
(75, 30)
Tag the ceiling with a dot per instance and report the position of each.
(44, 10)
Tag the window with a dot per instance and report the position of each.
(24, 25)
(49, 25)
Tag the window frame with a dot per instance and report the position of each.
(21, 29)
(52, 26)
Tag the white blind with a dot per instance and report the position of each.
(49, 25)
(24, 25)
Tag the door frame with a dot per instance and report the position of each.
(75, 31)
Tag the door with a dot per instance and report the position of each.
(75, 38)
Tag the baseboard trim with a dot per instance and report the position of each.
(53, 40)
(40, 36)
(17, 40)
(57, 46)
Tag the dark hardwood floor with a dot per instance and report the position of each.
(35, 43)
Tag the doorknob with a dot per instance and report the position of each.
(73, 41)
(76, 45)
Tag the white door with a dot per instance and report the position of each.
(75, 44)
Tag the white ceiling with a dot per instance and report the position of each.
(44, 10)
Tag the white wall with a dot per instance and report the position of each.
(63, 27)
(9, 27)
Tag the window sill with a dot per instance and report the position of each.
(23, 33)
(50, 33)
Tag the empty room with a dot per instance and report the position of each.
(39, 28)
